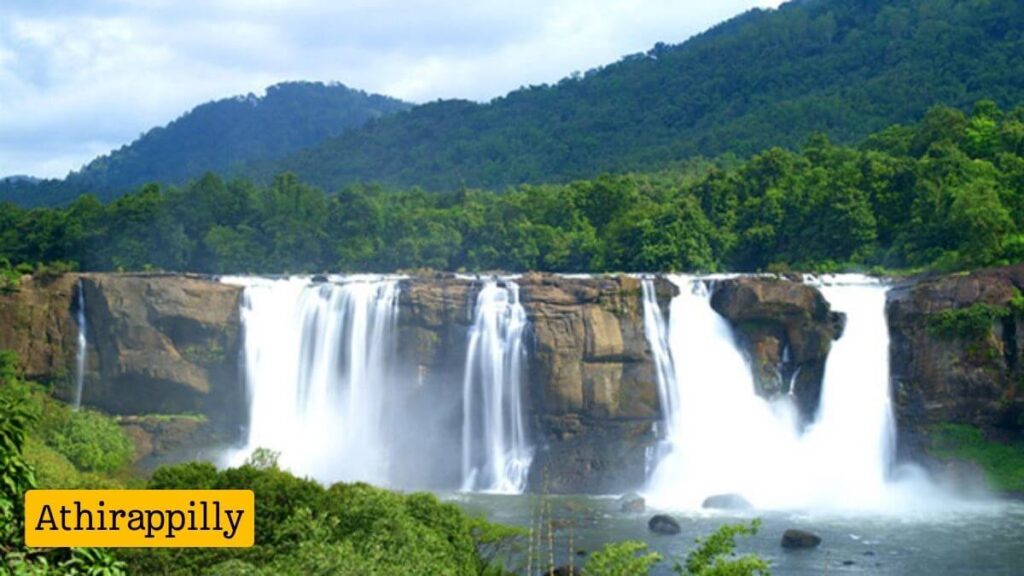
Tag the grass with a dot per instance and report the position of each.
(1002, 463)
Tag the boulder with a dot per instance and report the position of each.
(786, 329)
(632, 503)
(662, 524)
(726, 502)
(794, 539)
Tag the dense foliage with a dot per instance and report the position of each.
(304, 528)
(67, 448)
(947, 192)
(18, 415)
(766, 78)
(220, 136)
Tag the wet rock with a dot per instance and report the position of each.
(848, 562)
(786, 329)
(632, 503)
(593, 386)
(662, 524)
(727, 502)
(564, 571)
(794, 539)
(320, 279)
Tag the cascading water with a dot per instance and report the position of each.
(495, 453)
(316, 371)
(82, 345)
(723, 438)
(854, 435)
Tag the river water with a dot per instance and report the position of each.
(959, 539)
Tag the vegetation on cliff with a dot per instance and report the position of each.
(947, 192)
(1002, 463)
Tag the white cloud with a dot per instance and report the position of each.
(78, 79)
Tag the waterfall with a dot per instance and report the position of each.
(82, 345)
(495, 453)
(854, 434)
(723, 438)
(316, 372)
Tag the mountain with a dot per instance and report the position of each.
(765, 78)
(221, 136)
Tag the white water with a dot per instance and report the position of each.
(316, 370)
(723, 438)
(495, 452)
(83, 342)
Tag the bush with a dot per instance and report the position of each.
(621, 559)
(716, 554)
(303, 528)
(92, 442)
(971, 323)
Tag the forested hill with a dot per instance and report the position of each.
(220, 136)
(844, 67)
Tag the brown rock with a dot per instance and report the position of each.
(786, 329)
(939, 378)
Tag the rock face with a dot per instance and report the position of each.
(168, 345)
(786, 329)
(960, 376)
(157, 344)
(592, 382)
(36, 322)
(162, 344)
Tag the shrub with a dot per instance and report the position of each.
(303, 528)
(621, 559)
(92, 442)
(971, 323)
(716, 554)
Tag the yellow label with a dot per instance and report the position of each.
(140, 518)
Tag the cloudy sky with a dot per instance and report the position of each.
(80, 78)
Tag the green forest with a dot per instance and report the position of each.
(845, 68)
(221, 136)
(945, 193)
(765, 78)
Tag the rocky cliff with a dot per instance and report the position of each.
(36, 323)
(163, 353)
(955, 354)
(157, 344)
(593, 386)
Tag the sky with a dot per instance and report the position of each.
(78, 79)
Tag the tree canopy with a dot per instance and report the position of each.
(947, 192)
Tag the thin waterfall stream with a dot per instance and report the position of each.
(82, 345)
